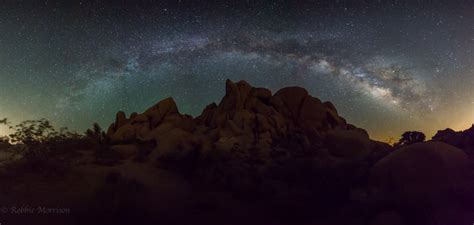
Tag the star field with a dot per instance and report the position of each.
(387, 66)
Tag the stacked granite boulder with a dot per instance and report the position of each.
(296, 153)
(248, 117)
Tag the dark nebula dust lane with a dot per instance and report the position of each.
(387, 67)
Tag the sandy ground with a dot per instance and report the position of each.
(165, 197)
(85, 192)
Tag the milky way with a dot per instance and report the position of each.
(406, 67)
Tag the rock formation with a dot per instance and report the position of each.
(290, 145)
(248, 117)
(422, 178)
(462, 139)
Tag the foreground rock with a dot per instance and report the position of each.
(423, 180)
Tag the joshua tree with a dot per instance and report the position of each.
(410, 137)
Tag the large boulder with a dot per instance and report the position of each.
(177, 149)
(162, 109)
(307, 112)
(154, 122)
(292, 98)
(262, 93)
(125, 134)
(332, 116)
(120, 120)
(349, 143)
(207, 115)
(421, 175)
(235, 96)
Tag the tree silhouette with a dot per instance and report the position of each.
(410, 137)
(96, 134)
(99, 140)
(33, 132)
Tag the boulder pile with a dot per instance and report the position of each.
(253, 141)
(246, 118)
(422, 181)
(298, 155)
(461, 139)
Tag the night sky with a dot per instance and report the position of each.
(388, 67)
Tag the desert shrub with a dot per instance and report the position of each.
(43, 148)
(38, 138)
(31, 132)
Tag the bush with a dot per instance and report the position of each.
(410, 137)
(38, 139)
(32, 132)
(43, 149)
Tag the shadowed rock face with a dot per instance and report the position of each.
(253, 140)
(422, 180)
(444, 167)
(246, 118)
(296, 154)
(461, 139)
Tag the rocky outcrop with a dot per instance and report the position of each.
(461, 139)
(422, 178)
(151, 125)
(257, 144)
(252, 116)
(301, 157)
(247, 119)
